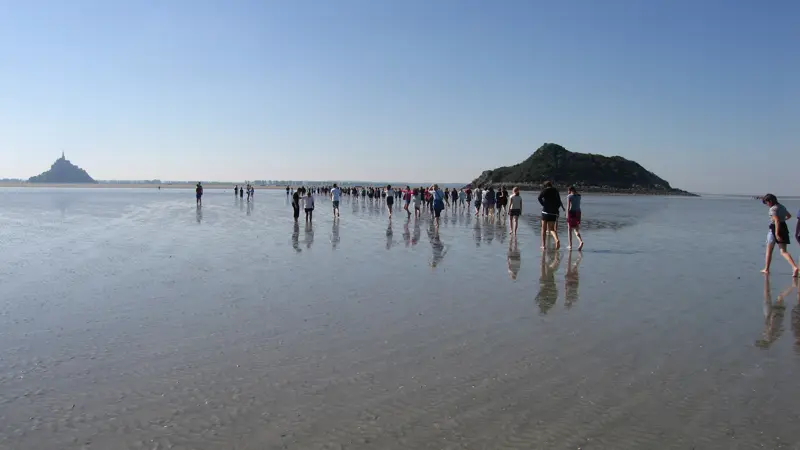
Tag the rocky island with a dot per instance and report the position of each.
(63, 171)
(587, 171)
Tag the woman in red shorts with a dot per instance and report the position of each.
(574, 216)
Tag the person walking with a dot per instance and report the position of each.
(336, 195)
(198, 193)
(574, 217)
(778, 233)
(551, 203)
(296, 204)
(514, 211)
(309, 206)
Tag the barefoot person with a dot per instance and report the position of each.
(296, 204)
(574, 217)
(514, 211)
(198, 193)
(309, 206)
(778, 233)
(336, 196)
(551, 203)
(389, 194)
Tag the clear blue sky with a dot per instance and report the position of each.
(704, 92)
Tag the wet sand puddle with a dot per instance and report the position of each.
(136, 320)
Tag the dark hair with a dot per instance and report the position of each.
(769, 198)
(572, 189)
(548, 184)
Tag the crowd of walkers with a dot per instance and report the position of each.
(484, 201)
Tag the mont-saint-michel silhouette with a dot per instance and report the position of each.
(63, 171)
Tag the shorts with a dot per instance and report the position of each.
(783, 234)
(199, 196)
(514, 212)
(574, 219)
(308, 210)
(389, 201)
(437, 212)
(477, 203)
(548, 217)
(336, 203)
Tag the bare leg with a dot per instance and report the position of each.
(788, 257)
(544, 234)
(569, 237)
(554, 233)
(578, 235)
(768, 259)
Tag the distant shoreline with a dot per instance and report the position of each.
(230, 186)
(129, 186)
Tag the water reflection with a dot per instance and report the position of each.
(389, 235)
(309, 235)
(514, 258)
(199, 214)
(407, 232)
(417, 233)
(773, 315)
(796, 318)
(335, 234)
(249, 207)
(436, 245)
(296, 238)
(571, 279)
(476, 232)
(548, 292)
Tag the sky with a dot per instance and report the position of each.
(706, 94)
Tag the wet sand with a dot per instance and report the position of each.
(132, 319)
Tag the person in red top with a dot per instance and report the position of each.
(407, 199)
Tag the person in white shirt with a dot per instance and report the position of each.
(416, 199)
(308, 204)
(336, 195)
(389, 199)
(514, 211)
(478, 200)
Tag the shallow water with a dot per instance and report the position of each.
(132, 319)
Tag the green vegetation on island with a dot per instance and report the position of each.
(63, 171)
(587, 171)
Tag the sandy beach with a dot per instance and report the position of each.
(133, 319)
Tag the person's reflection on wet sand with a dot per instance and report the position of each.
(241, 204)
(773, 315)
(417, 232)
(407, 232)
(436, 245)
(796, 318)
(514, 258)
(389, 235)
(571, 279)
(296, 238)
(548, 292)
(476, 231)
(335, 234)
(249, 207)
(309, 235)
(199, 214)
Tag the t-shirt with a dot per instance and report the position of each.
(478, 195)
(550, 200)
(308, 202)
(488, 196)
(389, 193)
(461, 195)
(778, 211)
(574, 201)
(516, 202)
(296, 198)
(417, 198)
(335, 194)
